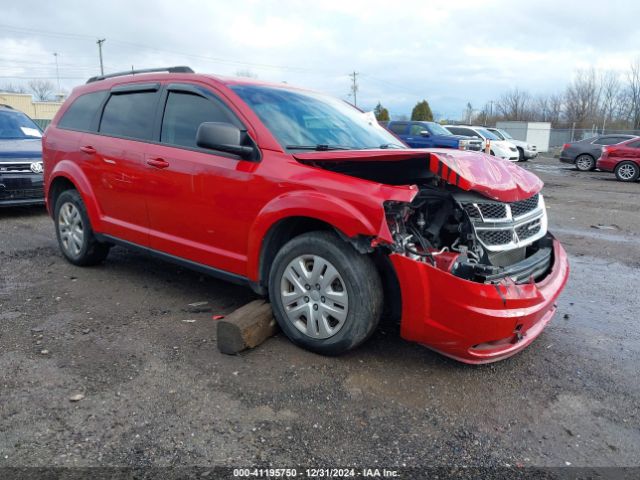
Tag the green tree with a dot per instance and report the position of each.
(381, 113)
(422, 112)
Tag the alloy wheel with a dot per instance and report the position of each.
(584, 163)
(627, 172)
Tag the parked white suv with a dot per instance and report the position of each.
(498, 147)
(525, 150)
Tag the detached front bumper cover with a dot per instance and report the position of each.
(475, 322)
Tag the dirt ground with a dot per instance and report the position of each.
(158, 393)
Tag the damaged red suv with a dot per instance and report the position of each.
(307, 200)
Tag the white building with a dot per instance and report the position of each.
(535, 133)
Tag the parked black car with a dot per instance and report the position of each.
(583, 154)
(21, 181)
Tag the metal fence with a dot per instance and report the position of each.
(560, 136)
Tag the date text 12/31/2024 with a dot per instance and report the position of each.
(314, 473)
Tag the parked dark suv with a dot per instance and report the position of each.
(585, 153)
(307, 200)
(21, 181)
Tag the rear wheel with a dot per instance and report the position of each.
(326, 297)
(585, 163)
(627, 172)
(73, 230)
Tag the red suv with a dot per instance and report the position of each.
(623, 159)
(309, 201)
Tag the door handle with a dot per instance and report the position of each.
(88, 149)
(157, 162)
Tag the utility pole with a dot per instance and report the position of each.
(354, 87)
(100, 42)
(55, 55)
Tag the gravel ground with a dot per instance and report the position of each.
(156, 391)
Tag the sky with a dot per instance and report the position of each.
(449, 52)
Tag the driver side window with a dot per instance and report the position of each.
(416, 129)
(183, 114)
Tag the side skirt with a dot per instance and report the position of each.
(198, 267)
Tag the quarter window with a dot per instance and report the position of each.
(82, 112)
(185, 112)
(129, 115)
(634, 144)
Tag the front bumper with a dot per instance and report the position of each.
(475, 322)
(529, 154)
(21, 189)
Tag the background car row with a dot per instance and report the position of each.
(619, 154)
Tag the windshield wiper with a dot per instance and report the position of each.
(319, 147)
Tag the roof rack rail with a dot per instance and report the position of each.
(179, 69)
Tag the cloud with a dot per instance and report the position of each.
(447, 52)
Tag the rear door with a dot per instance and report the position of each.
(117, 154)
(196, 197)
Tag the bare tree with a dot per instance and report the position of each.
(514, 105)
(611, 87)
(582, 99)
(42, 89)
(556, 106)
(13, 88)
(633, 93)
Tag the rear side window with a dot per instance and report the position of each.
(634, 144)
(608, 140)
(463, 131)
(185, 112)
(82, 112)
(398, 128)
(130, 115)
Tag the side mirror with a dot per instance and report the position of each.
(223, 137)
(425, 133)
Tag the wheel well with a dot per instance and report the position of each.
(279, 234)
(59, 185)
(288, 228)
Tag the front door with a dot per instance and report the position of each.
(196, 197)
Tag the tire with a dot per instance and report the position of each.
(627, 171)
(75, 236)
(353, 274)
(491, 153)
(585, 163)
(521, 155)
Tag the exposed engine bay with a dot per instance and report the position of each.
(463, 232)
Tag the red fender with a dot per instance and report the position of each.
(72, 172)
(332, 210)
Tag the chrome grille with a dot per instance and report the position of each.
(502, 227)
(493, 210)
(524, 206)
(528, 230)
(496, 237)
(16, 167)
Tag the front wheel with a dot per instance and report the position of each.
(627, 172)
(326, 297)
(73, 230)
(521, 157)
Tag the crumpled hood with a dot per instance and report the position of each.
(492, 177)
(13, 149)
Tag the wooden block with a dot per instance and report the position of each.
(246, 327)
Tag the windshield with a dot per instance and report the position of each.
(505, 135)
(306, 120)
(487, 134)
(437, 129)
(17, 125)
